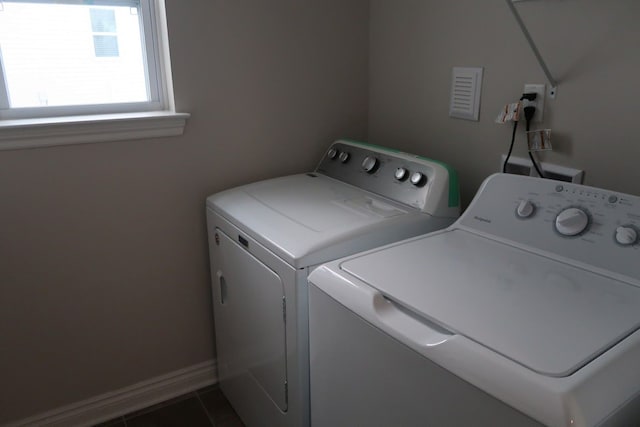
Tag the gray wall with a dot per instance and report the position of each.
(591, 46)
(103, 259)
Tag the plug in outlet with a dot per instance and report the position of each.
(538, 103)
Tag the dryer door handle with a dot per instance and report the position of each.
(222, 287)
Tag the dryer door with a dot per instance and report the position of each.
(250, 321)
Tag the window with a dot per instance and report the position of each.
(67, 58)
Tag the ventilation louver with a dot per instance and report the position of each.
(465, 93)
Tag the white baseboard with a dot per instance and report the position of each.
(132, 398)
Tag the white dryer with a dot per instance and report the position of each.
(524, 312)
(265, 238)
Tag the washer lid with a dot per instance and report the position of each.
(543, 314)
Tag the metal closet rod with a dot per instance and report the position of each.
(532, 44)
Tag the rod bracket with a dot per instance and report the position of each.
(553, 84)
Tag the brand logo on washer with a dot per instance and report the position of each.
(479, 218)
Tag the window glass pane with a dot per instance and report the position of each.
(105, 45)
(103, 20)
(59, 55)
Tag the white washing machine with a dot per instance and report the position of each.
(265, 238)
(524, 312)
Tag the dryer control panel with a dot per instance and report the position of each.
(594, 226)
(405, 178)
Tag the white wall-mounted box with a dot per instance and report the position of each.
(522, 166)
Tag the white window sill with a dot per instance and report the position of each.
(32, 133)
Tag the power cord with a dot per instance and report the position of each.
(529, 111)
(528, 97)
(513, 139)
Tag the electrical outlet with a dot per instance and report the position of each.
(538, 103)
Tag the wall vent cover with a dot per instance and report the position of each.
(465, 93)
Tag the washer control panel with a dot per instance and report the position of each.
(409, 179)
(594, 226)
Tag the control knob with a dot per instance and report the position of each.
(418, 179)
(525, 209)
(626, 235)
(344, 157)
(572, 221)
(332, 153)
(401, 174)
(370, 164)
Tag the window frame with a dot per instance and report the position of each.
(29, 127)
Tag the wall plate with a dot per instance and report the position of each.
(539, 90)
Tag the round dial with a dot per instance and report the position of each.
(370, 164)
(525, 209)
(626, 235)
(418, 179)
(572, 221)
(332, 153)
(344, 157)
(401, 174)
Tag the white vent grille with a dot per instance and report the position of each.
(465, 93)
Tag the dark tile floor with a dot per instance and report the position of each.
(203, 408)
